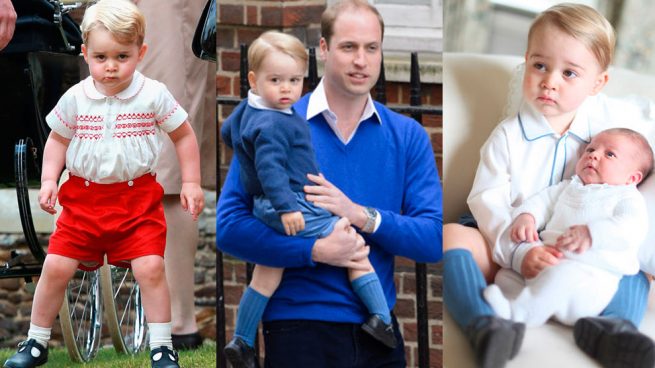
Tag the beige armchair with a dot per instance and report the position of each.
(476, 90)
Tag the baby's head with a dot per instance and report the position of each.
(570, 47)
(121, 18)
(617, 156)
(277, 63)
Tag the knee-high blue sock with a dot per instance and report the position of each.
(369, 290)
(462, 287)
(630, 299)
(250, 312)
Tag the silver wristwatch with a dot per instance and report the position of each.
(371, 216)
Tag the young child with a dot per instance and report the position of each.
(106, 130)
(597, 219)
(569, 50)
(274, 148)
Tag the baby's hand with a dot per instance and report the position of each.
(576, 239)
(192, 199)
(48, 196)
(539, 258)
(293, 222)
(524, 229)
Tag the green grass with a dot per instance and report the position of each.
(107, 357)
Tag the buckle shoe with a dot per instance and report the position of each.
(380, 331)
(614, 342)
(163, 357)
(190, 341)
(239, 353)
(30, 354)
(494, 340)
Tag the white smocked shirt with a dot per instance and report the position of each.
(115, 138)
(616, 216)
(523, 155)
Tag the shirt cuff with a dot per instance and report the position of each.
(378, 221)
(519, 254)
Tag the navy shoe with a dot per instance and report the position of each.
(380, 331)
(190, 341)
(614, 342)
(163, 357)
(494, 340)
(239, 354)
(30, 354)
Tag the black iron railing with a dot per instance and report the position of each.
(416, 111)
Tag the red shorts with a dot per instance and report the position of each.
(122, 220)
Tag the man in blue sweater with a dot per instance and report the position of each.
(383, 182)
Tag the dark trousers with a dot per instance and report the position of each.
(316, 344)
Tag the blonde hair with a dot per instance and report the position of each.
(330, 15)
(121, 18)
(582, 23)
(641, 144)
(275, 41)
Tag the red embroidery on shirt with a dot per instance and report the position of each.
(89, 118)
(147, 124)
(169, 114)
(88, 135)
(134, 133)
(61, 119)
(136, 116)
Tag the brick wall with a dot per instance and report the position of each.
(242, 21)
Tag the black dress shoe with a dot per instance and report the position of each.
(163, 357)
(30, 354)
(239, 354)
(494, 340)
(380, 331)
(614, 342)
(190, 341)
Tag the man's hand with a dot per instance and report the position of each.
(7, 22)
(524, 229)
(293, 222)
(537, 259)
(48, 196)
(192, 199)
(326, 195)
(342, 248)
(576, 239)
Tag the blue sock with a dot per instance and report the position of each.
(462, 287)
(250, 312)
(369, 290)
(630, 300)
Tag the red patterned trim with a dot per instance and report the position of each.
(137, 133)
(89, 127)
(169, 114)
(136, 116)
(61, 119)
(88, 136)
(89, 118)
(135, 125)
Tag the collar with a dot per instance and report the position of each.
(256, 101)
(534, 125)
(138, 80)
(318, 104)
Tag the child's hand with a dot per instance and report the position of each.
(576, 239)
(293, 222)
(48, 196)
(192, 199)
(537, 259)
(523, 229)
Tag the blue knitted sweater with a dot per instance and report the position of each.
(275, 153)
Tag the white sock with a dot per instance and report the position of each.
(494, 296)
(40, 334)
(160, 335)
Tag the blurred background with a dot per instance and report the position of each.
(501, 27)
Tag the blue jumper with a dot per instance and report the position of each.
(388, 165)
